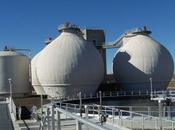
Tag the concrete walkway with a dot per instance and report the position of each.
(5, 119)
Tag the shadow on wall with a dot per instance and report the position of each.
(130, 77)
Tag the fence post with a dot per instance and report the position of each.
(110, 94)
(90, 95)
(103, 94)
(139, 92)
(131, 120)
(169, 112)
(53, 118)
(130, 109)
(121, 114)
(149, 111)
(78, 125)
(48, 118)
(105, 110)
(86, 111)
(113, 114)
(66, 109)
(142, 122)
(99, 111)
(172, 125)
(93, 110)
(84, 95)
(58, 121)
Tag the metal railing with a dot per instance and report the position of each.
(117, 116)
(52, 120)
(12, 108)
(119, 94)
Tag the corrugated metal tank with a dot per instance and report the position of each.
(139, 59)
(35, 83)
(14, 66)
(68, 65)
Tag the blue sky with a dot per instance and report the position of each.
(28, 23)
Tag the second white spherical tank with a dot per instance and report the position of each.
(140, 59)
(69, 65)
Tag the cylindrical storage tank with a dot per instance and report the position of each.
(14, 66)
(142, 61)
(69, 65)
(35, 83)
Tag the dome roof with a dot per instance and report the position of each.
(68, 65)
(10, 53)
(139, 59)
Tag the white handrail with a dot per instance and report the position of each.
(114, 112)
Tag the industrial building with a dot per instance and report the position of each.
(75, 62)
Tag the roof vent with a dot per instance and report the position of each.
(67, 27)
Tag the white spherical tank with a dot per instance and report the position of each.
(35, 83)
(142, 61)
(14, 66)
(69, 65)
